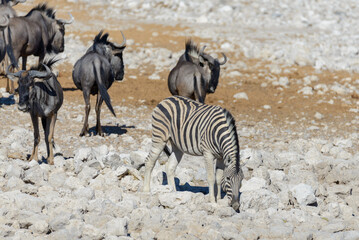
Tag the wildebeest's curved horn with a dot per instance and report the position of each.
(40, 74)
(10, 74)
(202, 50)
(122, 44)
(4, 22)
(224, 60)
(17, 1)
(67, 21)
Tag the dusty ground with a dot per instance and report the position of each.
(289, 110)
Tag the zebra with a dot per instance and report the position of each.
(191, 127)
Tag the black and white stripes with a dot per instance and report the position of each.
(190, 127)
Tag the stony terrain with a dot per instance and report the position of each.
(291, 82)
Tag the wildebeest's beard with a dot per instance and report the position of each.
(215, 71)
(57, 44)
(117, 67)
(24, 94)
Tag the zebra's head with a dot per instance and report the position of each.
(231, 183)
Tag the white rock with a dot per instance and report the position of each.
(84, 192)
(313, 156)
(117, 227)
(138, 158)
(267, 107)
(251, 158)
(174, 199)
(14, 171)
(241, 95)
(304, 194)
(258, 200)
(40, 227)
(318, 116)
(253, 184)
(306, 90)
(57, 178)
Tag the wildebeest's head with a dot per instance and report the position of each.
(214, 66)
(26, 81)
(112, 51)
(55, 27)
(209, 66)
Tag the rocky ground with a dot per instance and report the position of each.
(291, 82)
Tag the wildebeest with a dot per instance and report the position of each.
(41, 95)
(195, 74)
(4, 21)
(7, 11)
(95, 72)
(6, 7)
(37, 33)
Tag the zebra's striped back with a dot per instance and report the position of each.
(194, 128)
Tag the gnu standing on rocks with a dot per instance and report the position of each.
(41, 98)
(6, 7)
(195, 74)
(200, 130)
(7, 11)
(95, 72)
(4, 21)
(37, 33)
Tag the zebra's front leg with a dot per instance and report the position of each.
(173, 161)
(150, 163)
(219, 176)
(210, 175)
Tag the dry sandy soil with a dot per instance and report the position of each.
(287, 105)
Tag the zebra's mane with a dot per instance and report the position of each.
(50, 12)
(233, 130)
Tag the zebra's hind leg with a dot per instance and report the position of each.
(173, 161)
(150, 163)
(210, 174)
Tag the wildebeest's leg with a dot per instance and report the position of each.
(50, 126)
(85, 128)
(210, 174)
(171, 165)
(10, 86)
(24, 60)
(35, 123)
(151, 159)
(98, 113)
(46, 125)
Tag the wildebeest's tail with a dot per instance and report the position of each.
(9, 49)
(103, 89)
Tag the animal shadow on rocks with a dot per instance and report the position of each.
(43, 158)
(188, 187)
(7, 100)
(70, 89)
(107, 130)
